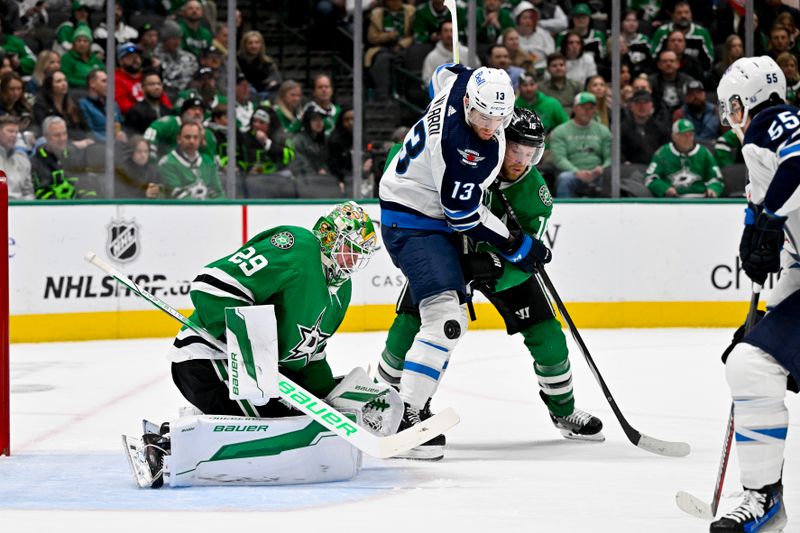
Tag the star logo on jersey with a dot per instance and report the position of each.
(451, 110)
(123, 241)
(470, 157)
(311, 340)
(545, 196)
(283, 240)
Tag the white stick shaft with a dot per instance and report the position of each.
(451, 6)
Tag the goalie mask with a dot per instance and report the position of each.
(748, 83)
(347, 241)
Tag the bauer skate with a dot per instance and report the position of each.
(146, 455)
(432, 450)
(761, 511)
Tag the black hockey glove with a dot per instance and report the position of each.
(526, 252)
(761, 244)
(483, 269)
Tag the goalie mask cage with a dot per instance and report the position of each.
(5, 430)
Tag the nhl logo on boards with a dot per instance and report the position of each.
(283, 240)
(470, 157)
(545, 196)
(123, 241)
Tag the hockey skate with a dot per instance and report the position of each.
(579, 425)
(146, 455)
(761, 511)
(432, 450)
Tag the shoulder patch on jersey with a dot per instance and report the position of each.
(470, 157)
(545, 196)
(283, 240)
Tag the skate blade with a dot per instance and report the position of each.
(422, 453)
(139, 468)
(597, 437)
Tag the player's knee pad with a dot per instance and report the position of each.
(546, 342)
(444, 320)
(522, 306)
(753, 373)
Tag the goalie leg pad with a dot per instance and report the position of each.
(523, 305)
(219, 450)
(758, 387)
(444, 321)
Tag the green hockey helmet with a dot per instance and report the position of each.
(347, 240)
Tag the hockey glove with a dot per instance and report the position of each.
(526, 252)
(761, 244)
(482, 269)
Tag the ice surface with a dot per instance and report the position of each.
(506, 467)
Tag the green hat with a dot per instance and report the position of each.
(682, 125)
(347, 230)
(82, 30)
(584, 98)
(581, 9)
(77, 4)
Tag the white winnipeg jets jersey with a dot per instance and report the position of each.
(437, 179)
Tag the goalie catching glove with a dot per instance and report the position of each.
(761, 244)
(380, 405)
(526, 252)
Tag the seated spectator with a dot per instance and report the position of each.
(56, 165)
(518, 56)
(150, 109)
(669, 84)
(683, 168)
(220, 41)
(492, 21)
(177, 65)
(788, 21)
(257, 66)
(497, 57)
(532, 38)
(79, 17)
(788, 64)
(218, 126)
(93, 106)
(311, 149)
(12, 99)
(779, 41)
(580, 23)
(188, 174)
(80, 60)
(14, 161)
(163, 133)
(322, 100)
(54, 100)
(698, 41)
(580, 65)
(687, 64)
(196, 36)
(5, 64)
(288, 107)
(557, 84)
(212, 59)
(731, 51)
(637, 43)
(548, 109)
(702, 114)
(340, 147)
(642, 132)
(551, 17)
(581, 151)
(123, 33)
(598, 87)
(266, 152)
(128, 78)
(246, 103)
(389, 33)
(442, 53)
(148, 42)
(19, 54)
(728, 150)
(47, 62)
(429, 17)
(136, 175)
(204, 87)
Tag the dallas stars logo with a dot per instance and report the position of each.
(311, 339)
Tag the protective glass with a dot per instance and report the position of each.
(519, 154)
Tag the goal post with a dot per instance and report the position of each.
(5, 369)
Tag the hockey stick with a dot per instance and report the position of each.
(645, 442)
(304, 401)
(690, 504)
(451, 6)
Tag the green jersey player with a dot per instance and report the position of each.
(516, 294)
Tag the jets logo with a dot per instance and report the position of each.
(283, 240)
(311, 341)
(470, 157)
(545, 196)
(123, 240)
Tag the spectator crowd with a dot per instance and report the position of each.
(170, 126)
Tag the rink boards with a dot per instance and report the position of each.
(615, 264)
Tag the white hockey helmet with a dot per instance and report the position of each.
(748, 82)
(489, 91)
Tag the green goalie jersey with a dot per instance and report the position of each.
(281, 266)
